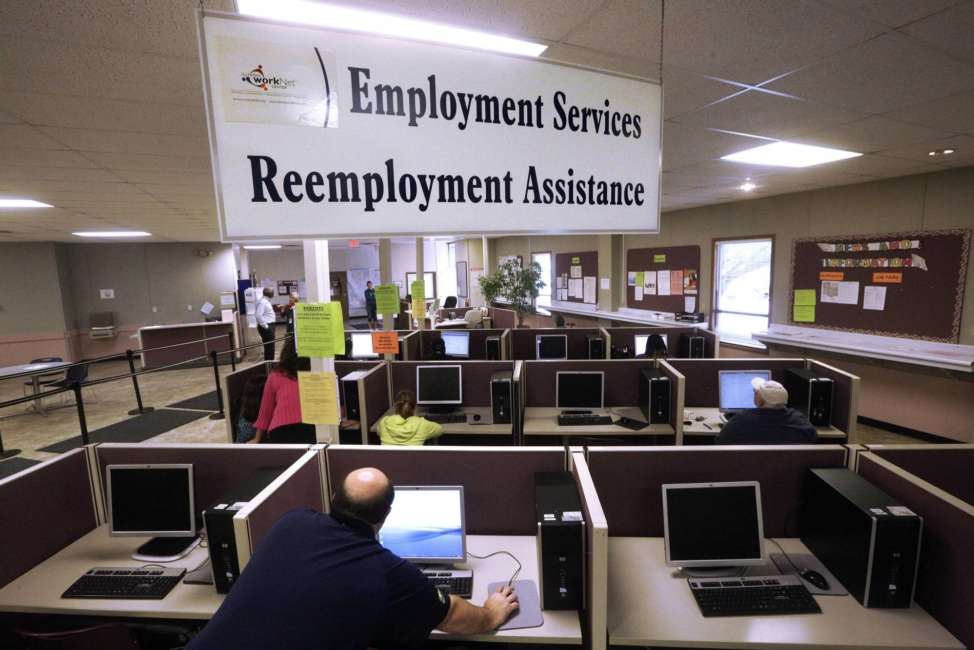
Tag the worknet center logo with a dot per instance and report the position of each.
(259, 79)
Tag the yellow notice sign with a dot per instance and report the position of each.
(805, 297)
(418, 292)
(318, 392)
(387, 299)
(318, 329)
(640, 278)
(804, 314)
(659, 258)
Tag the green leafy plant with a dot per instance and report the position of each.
(491, 286)
(520, 286)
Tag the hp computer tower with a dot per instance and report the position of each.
(492, 348)
(810, 394)
(869, 542)
(693, 347)
(595, 346)
(654, 395)
(561, 541)
(218, 520)
(502, 397)
(349, 386)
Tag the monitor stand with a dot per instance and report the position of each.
(165, 549)
(442, 409)
(711, 571)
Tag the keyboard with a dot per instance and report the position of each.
(579, 420)
(446, 418)
(125, 582)
(752, 596)
(458, 583)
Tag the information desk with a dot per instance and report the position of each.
(463, 428)
(711, 425)
(651, 605)
(543, 421)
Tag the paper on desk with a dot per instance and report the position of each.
(874, 298)
(663, 283)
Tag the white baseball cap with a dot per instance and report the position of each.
(771, 392)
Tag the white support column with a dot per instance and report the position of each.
(318, 280)
(420, 274)
(488, 265)
(385, 277)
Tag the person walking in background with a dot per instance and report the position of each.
(265, 317)
(370, 307)
(289, 313)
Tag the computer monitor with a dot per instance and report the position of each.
(713, 524)
(551, 346)
(362, 346)
(734, 390)
(426, 524)
(439, 384)
(579, 390)
(642, 341)
(456, 344)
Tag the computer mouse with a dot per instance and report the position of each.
(476, 417)
(699, 418)
(815, 578)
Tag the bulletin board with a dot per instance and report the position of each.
(576, 278)
(907, 284)
(663, 279)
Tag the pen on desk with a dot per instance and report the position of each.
(708, 426)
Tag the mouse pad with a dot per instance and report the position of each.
(804, 561)
(529, 613)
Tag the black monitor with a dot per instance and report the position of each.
(456, 344)
(551, 346)
(440, 384)
(579, 390)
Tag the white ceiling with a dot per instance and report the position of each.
(101, 110)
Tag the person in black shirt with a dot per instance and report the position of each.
(771, 423)
(370, 306)
(320, 581)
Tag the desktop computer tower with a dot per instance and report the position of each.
(869, 542)
(810, 394)
(654, 395)
(502, 397)
(218, 521)
(561, 541)
(492, 348)
(693, 347)
(595, 346)
(349, 386)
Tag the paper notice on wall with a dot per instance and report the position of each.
(639, 293)
(649, 283)
(575, 288)
(804, 314)
(874, 298)
(804, 296)
(690, 304)
(663, 283)
(563, 295)
(631, 279)
(576, 271)
(676, 283)
(207, 308)
(226, 299)
(558, 282)
(691, 282)
(606, 284)
(589, 289)
(842, 293)
(318, 392)
(252, 322)
(319, 330)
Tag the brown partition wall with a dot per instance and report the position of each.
(845, 395)
(410, 347)
(523, 341)
(948, 467)
(503, 318)
(484, 472)
(625, 336)
(302, 489)
(233, 390)
(621, 384)
(629, 480)
(701, 375)
(478, 345)
(476, 377)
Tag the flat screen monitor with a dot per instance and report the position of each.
(362, 346)
(457, 344)
(551, 346)
(426, 524)
(579, 390)
(642, 343)
(439, 384)
(713, 524)
(734, 390)
(154, 500)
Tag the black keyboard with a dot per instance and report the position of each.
(752, 596)
(570, 420)
(128, 583)
(458, 585)
(446, 418)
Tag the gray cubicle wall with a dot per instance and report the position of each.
(523, 341)
(675, 338)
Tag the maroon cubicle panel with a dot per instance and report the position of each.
(476, 377)
(948, 467)
(478, 338)
(523, 345)
(626, 337)
(303, 489)
(629, 480)
(503, 318)
(701, 375)
(621, 383)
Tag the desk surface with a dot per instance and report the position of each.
(711, 418)
(180, 325)
(543, 421)
(31, 367)
(463, 428)
(649, 605)
(639, 316)
(455, 323)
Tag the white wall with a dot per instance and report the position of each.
(404, 260)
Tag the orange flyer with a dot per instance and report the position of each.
(888, 278)
(385, 342)
(831, 276)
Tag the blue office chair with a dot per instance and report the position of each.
(76, 374)
(47, 378)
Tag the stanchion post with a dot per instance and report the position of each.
(135, 383)
(233, 353)
(7, 453)
(79, 402)
(219, 391)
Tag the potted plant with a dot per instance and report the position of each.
(490, 287)
(520, 286)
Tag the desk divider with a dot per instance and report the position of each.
(608, 341)
(945, 574)
(298, 486)
(503, 319)
(498, 482)
(597, 552)
(233, 388)
(506, 345)
(626, 336)
(629, 480)
(621, 379)
(845, 395)
(677, 396)
(701, 375)
(410, 347)
(853, 456)
(948, 467)
(478, 345)
(476, 378)
(523, 341)
(43, 509)
(518, 406)
(374, 398)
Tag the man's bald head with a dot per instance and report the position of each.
(366, 494)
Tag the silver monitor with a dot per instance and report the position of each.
(426, 524)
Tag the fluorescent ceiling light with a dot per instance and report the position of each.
(360, 20)
(262, 247)
(748, 186)
(112, 233)
(23, 203)
(789, 154)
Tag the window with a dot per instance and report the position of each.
(544, 295)
(446, 269)
(742, 287)
(429, 281)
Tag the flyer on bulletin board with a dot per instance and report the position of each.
(804, 297)
(318, 392)
(804, 314)
(319, 330)
(387, 299)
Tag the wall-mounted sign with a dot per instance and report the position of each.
(318, 133)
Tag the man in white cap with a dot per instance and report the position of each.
(771, 423)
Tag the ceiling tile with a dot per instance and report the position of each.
(87, 139)
(9, 173)
(575, 55)
(954, 113)
(892, 13)
(628, 28)
(872, 134)
(685, 145)
(963, 144)
(44, 158)
(950, 31)
(22, 136)
(684, 91)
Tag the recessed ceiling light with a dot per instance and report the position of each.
(748, 186)
(112, 233)
(23, 203)
(359, 20)
(262, 247)
(932, 153)
(947, 152)
(789, 154)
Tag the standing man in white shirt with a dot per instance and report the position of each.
(265, 322)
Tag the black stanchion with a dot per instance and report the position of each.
(79, 402)
(219, 391)
(233, 354)
(7, 453)
(135, 383)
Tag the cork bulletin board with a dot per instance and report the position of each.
(576, 277)
(908, 284)
(663, 279)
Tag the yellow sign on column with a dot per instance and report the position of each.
(319, 330)
(318, 393)
(418, 292)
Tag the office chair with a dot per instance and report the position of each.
(450, 302)
(76, 374)
(437, 350)
(474, 318)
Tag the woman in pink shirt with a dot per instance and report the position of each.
(279, 419)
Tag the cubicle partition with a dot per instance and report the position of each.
(596, 551)
(374, 401)
(523, 341)
(503, 318)
(676, 339)
(845, 396)
(478, 342)
(233, 390)
(702, 375)
(410, 346)
(948, 467)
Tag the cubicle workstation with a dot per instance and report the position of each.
(650, 602)
(364, 398)
(643, 390)
(948, 467)
(499, 511)
(715, 384)
(184, 341)
(474, 401)
(558, 343)
(462, 344)
(680, 342)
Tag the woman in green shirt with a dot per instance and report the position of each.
(404, 427)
